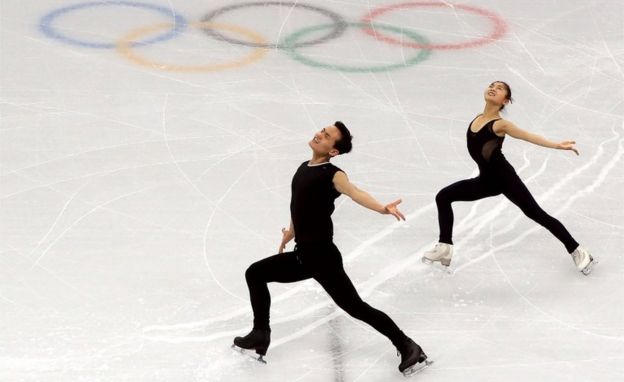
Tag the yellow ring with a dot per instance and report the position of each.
(124, 47)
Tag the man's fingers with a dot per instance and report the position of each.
(396, 213)
(399, 215)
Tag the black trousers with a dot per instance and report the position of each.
(501, 179)
(323, 263)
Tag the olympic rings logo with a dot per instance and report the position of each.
(291, 44)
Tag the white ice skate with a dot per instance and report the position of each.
(583, 260)
(442, 252)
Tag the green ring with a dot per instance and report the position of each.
(289, 46)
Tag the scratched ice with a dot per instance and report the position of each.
(138, 182)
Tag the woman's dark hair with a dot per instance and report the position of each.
(343, 145)
(508, 88)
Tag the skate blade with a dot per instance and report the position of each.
(249, 353)
(426, 260)
(587, 270)
(437, 265)
(417, 368)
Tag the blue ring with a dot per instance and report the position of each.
(46, 23)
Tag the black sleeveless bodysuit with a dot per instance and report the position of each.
(485, 147)
(312, 203)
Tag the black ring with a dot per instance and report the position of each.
(336, 31)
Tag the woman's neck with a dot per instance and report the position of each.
(491, 111)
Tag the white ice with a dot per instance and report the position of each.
(132, 198)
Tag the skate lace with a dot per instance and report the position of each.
(436, 249)
(575, 256)
(441, 249)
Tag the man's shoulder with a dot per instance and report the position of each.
(335, 167)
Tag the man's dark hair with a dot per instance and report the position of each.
(343, 145)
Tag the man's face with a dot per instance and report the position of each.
(324, 141)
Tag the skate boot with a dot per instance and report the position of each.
(583, 260)
(442, 252)
(257, 339)
(413, 358)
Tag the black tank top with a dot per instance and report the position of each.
(312, 203)
(484, 146)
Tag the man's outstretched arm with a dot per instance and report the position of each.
(363, 198)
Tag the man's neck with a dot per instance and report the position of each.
(316, 159)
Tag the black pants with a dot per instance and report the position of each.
(323, 263)
(502, 179)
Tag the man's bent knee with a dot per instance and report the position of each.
(252, 272)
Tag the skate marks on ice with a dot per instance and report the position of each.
(226, 364)
(178, 333)
(556, 99)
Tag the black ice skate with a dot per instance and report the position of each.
(413, 358)
(257, 339)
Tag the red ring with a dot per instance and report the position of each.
(499, 25)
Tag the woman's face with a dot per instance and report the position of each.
(496, 93)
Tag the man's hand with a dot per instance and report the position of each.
(568, 145)
(287, 235)
(342, 185)
(392, 209)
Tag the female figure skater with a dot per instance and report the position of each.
(485, 137)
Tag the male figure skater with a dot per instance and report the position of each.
(315, 186)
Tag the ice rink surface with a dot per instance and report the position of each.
(144, 166)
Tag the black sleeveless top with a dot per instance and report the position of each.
(484, 146)
(312, 203)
